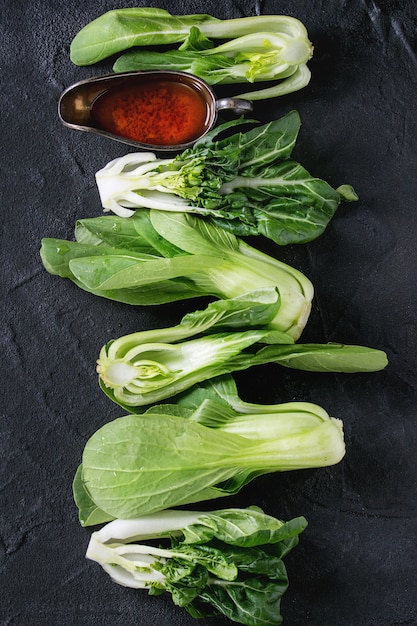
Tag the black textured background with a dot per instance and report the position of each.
(356, 562)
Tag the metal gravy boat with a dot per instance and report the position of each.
(111, 104)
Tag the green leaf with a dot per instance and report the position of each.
(121, 271)
(152, 294)
(56, 255)
(120, 29)
(347, 193)
(209, 556)
(88, 512)
(287, 204)
(196, 41)
(184, 581)
(268, 143)
(131, 468)
(212, 413)
(145, 60)
(249, 527)
(193, 235)
(330, 357)
(95, 262)
(113, 232)
(252, 310)
(259, 560)
(251, 601)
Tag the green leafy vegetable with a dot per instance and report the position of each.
(145, 367)
(157, 256)
(227, 562)
(246, 182)
(144, 463)
(257, 57)
(253, 49)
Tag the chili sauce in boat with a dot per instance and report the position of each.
(156, 112)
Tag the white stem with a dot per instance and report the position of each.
(147, 527)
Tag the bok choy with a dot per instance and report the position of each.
(227, 562)
(156, 256)
(253, 49)
(172, 454)
(145, 367)
(246, 182)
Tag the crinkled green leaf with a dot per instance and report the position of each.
(252, 601)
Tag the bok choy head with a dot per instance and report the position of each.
(256, 57)
(147, 366)
(229, 335)
(227, 562)
(247, 183)
(156, 256)
(252, 49)
(173, 455)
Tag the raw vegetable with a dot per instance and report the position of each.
(170, 456)
(227, 562)
(246, 182)
(156, 256)
(258, 57)
(253, 49)
(145, 367)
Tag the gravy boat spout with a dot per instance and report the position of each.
(156, 109)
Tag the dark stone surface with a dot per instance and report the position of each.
(356, 563)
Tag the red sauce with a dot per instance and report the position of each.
(158, 112)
